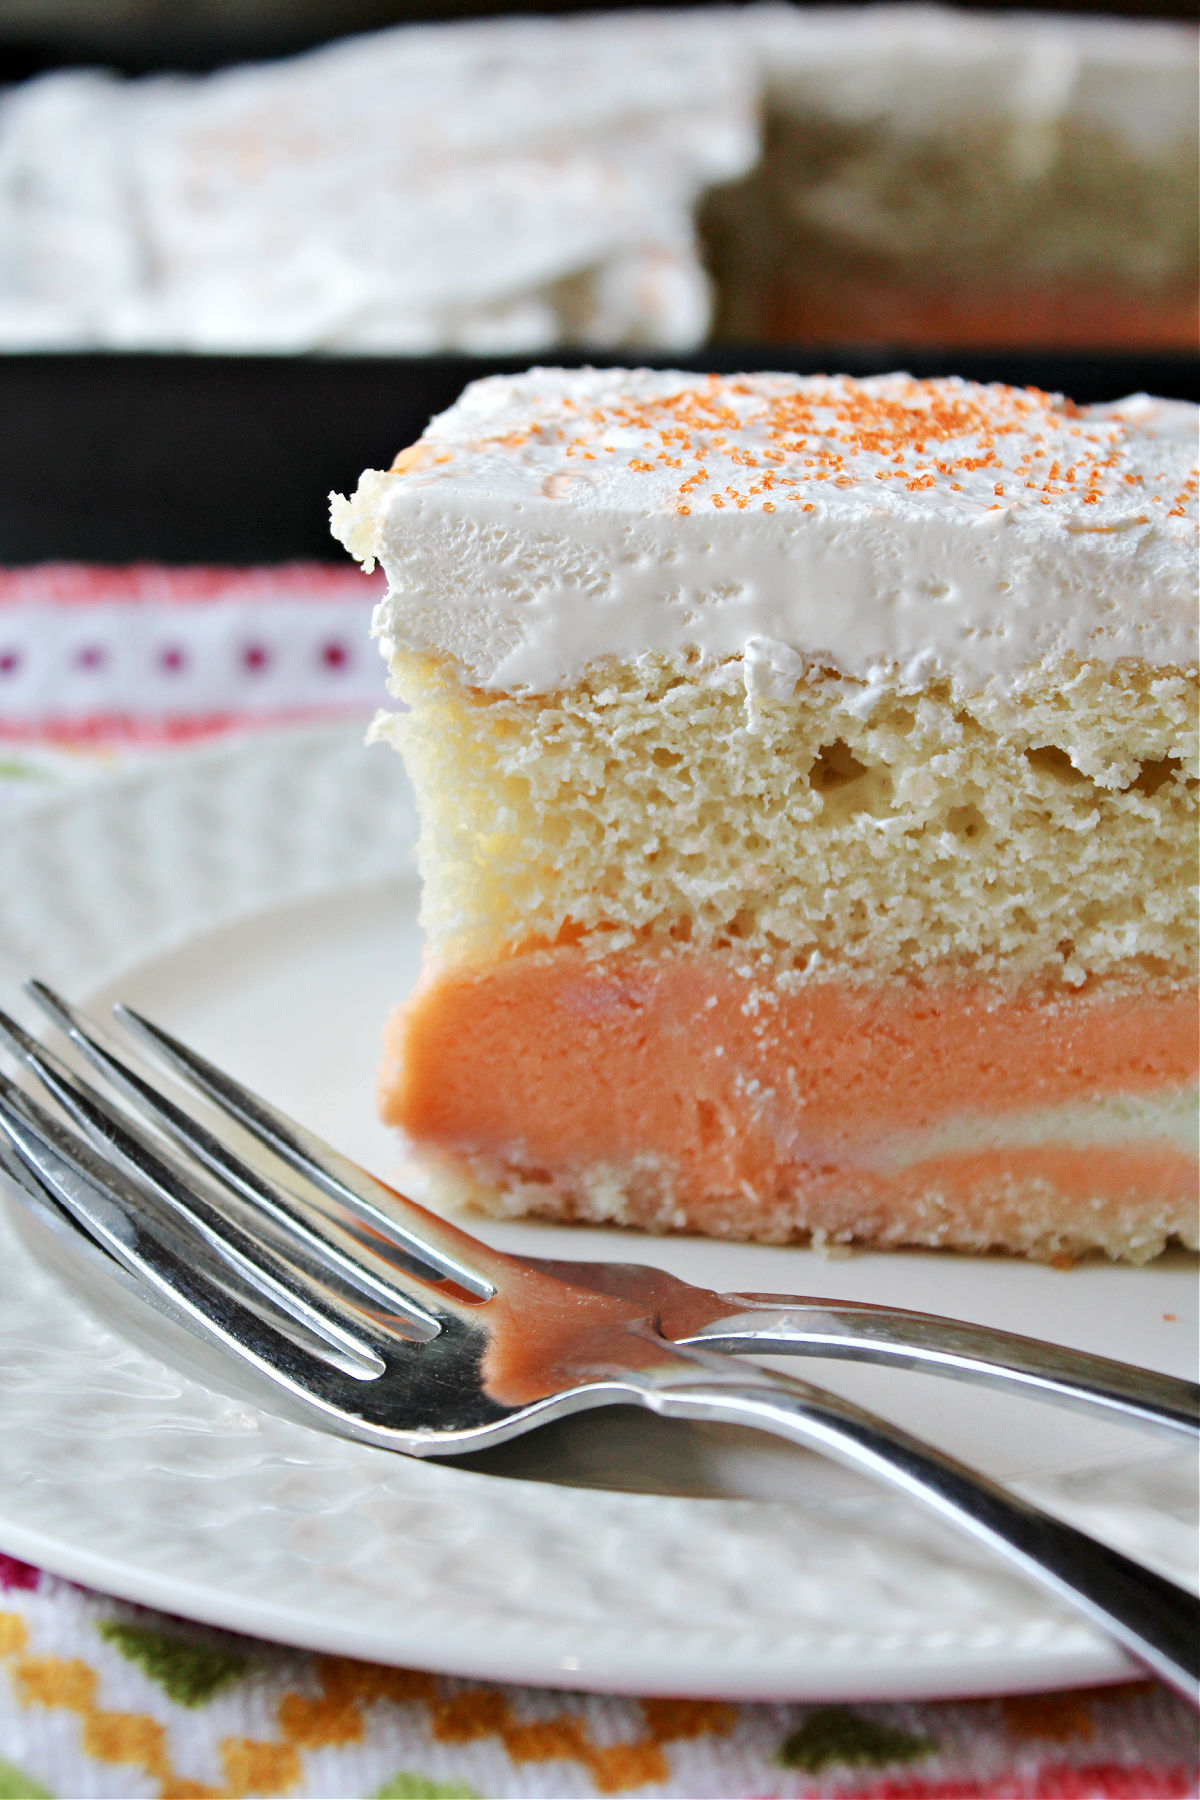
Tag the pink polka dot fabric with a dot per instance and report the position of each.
(149, 655)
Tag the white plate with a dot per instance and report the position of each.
(259, 899)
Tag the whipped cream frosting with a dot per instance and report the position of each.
(550, 521)
(488, 185)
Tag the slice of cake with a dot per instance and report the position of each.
(807, 775)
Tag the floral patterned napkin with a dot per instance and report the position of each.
(99, 1698)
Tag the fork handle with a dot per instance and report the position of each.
(1154, 1619)
(774, 1325)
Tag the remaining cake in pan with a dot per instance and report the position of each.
(807, 778)
(930, 175)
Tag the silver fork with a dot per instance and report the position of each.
(384, 1323)
(861, 1331)
(736, 1323)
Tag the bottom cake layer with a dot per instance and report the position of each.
(874, 304)
(680, 1091)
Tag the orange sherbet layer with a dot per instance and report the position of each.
(1069, 315)
(550, 1061)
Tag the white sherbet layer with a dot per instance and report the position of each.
(1157, 1121)
(552, 520)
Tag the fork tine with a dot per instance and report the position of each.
(74, 1095)
(168, 1256)
(289, 1213)
(41, 1199)
(301, 1250)
(294, 1289)
(429, 1237)
(20, 1175)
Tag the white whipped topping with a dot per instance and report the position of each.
(552, 520)
(486, 186)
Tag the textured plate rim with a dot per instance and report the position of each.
(1051, 1652)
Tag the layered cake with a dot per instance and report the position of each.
(807, 781)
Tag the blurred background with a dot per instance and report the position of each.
(285, 231)
(140, 35)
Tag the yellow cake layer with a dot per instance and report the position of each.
(1046, 832)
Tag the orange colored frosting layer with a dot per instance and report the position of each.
(549, 1062)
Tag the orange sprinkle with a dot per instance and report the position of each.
(825, 429)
